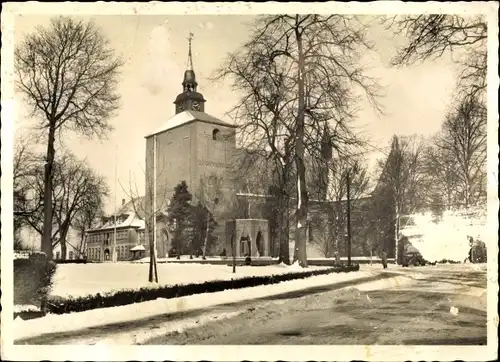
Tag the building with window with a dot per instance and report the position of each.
(126, 235)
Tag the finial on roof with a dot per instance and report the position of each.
(190, 55)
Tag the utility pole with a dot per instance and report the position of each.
(153, 249)
(113, 253)
(396, 234)
(348, 217)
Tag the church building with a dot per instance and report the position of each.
(198, 148)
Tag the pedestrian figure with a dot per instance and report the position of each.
(384, 259)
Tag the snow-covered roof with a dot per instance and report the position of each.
(129, 215)
(187, 117)
(138, 248)
(130, 220)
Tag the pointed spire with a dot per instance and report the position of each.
(190, 55)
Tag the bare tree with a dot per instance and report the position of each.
(463, 138)
(26, 203)
(154, 214)
(24, 168)
(88, 216)
(429, 36)
(301, 72)
(73, 185)
(334, 225)
(78, 185)
(67, 74)
(441, 175)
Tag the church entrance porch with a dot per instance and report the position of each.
(248, 237)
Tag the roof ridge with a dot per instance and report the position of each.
(187, 117)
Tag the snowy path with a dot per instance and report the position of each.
(430, 306)
(135, 323)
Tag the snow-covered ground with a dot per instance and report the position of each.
(132, 312)
(20, 308)
(84, 279)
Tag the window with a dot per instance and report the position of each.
(98, 254)
(215, 134)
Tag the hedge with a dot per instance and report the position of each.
(33, 279)
(61, 305)
(72, 261)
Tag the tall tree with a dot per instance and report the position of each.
(463, 137)
(26, 202)
(429, 36)
(153, 213)
(401, 181)
(68, 75)
(89, 216)
(300, 73)
(346, 170)
(441, 177)
(73, 185)
(179, 216)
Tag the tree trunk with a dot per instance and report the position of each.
(81, 247)
(152, 260)
(396, 235)
(348, 219)
(284, 249)
(302, 195)
(47, 195)
(62, 241)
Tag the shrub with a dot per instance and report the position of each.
(60, 305)
(447, 261)
(33, 279)
(72, 261)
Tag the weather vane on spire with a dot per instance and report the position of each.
(190, 56)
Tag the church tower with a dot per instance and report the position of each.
(191, 146)
(189, 99)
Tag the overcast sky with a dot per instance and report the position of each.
(155, 50)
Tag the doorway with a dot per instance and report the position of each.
(260, 244)
(245, 246)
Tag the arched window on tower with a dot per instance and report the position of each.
(215, 134)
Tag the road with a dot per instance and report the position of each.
(440, 305)
(397, 306)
